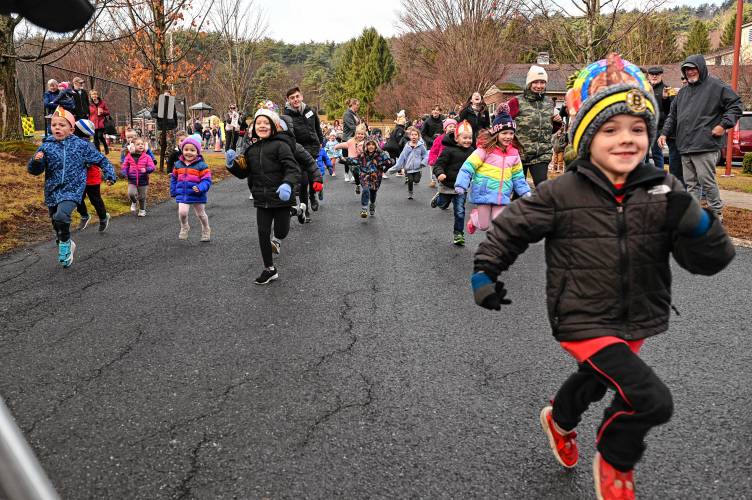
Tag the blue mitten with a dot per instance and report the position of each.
(487, 292)
(230, 156)
(284, 191)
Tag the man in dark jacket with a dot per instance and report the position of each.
(81, 98)
(699, 117)
(660, 90)
(432, 127)
(307, 130)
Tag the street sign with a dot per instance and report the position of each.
(166, 107)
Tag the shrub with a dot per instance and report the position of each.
(747, 163)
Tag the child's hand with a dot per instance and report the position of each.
(142, 170)
(488, 293)
(441, 177)
(38, 156)
(195, 189)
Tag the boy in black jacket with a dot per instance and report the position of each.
(610, 222)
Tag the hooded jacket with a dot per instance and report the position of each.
(494, 175)
(307, 128)
(478, 121)
(371, 166)
(131, 169)
(64, 165)
(450, 160)
(697, 108)
(608, 271)
(412, 158)
(185, 176)
(266, 164)
(432, 128)
(534, 127)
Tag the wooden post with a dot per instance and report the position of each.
(734, 82)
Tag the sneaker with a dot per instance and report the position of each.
(563, 445)
(372, 209)
(347, 177)
(321, 195)
(267, 276)
(314, 203)
(307, 218)
(250, 197)
(142, 213)
(65, 251)
(334, 174)
(83, 223)
(183, 235)
(435, 201)
(133, 208)
(104, 223)
(276, 246)
(400, 174)
(357, 189)
(432, 184)
(406, 179)
(301, 213)
(410, 195)
(611, 483)
(470, 227)
(206, 234)
(363, 213)
(459, 239)
(385, 176)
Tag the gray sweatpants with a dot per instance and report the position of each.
(699, 175)
(138, 194)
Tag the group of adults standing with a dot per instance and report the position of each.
(85, 105)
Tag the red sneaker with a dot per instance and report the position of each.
(564, 446)
(470, 227)
(611, 483)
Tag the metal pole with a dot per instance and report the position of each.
(130, 104)
(44, 109)
(734, 82)
(21, 476)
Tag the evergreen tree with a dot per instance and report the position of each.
(729, 30)
(698, 40)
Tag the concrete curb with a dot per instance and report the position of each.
(740, 242)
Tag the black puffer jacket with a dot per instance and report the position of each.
(450, 160)
(432, 127)
(608, 270)
(267, 164)
(396, 141)
(306, 161)
(307, 127)
(478, 120)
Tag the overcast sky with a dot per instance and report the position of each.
(296, 21)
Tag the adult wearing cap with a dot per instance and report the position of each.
(699, 117)
(81, 100)
(660, 90)
(535, 118)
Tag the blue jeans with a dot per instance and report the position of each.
(458, 204)
(675, 167)
(366, 195)
(658, 156)
(61, 218)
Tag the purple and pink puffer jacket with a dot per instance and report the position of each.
(137, 170)
(185, 176)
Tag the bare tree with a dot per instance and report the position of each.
(241, 25)
(586, 30)
(462, 44)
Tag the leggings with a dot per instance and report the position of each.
(99, 139)
(95, 197)
(482, 215)
(61, 218)
(367, 195)
(265, 217)
(641, 401)
(198, 209)
(138, 194)
(538, 171)
(412, 178)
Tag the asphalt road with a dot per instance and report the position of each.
(154, 368)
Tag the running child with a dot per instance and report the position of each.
(325, 164)
(495, 171)
(333, 153)
(86, 130)
(354, 147)
(136, 168)
(190, 180)
(450, 125)
(372, 164)
(413, 158)
(457, 148)
(130, 136)
(611, 222)
(63, 158)
(272, 173)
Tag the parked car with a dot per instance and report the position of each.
(741, 137)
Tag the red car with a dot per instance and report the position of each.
(741, 137)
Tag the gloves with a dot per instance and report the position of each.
(317, 187)
(527, 195)
(459, 190)
(685, 216)
(284, 191)
(230, 156)
(487, 292)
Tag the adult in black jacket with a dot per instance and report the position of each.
(700, 115)
(310, 174)
(432, 127)
(272, 173)
(307, 127)
(81, 99)
(446, 168)
(397, 139)
(660, 90)
(476, 114)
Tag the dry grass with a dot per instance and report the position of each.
(23, 215)
(739, 181)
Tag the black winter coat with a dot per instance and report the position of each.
(478, 121)
(608, 271)
(396, 142)
(267, 164)
(432, 127)
(664, 105)
(306, 127)
(307, 164)
(450, 160)
(81, 98)
(698, 108)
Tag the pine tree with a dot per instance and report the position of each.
(698, 40)
(729, 30)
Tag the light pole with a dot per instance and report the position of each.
(734, 81)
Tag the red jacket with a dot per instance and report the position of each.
(95, 117)
(93, 175)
